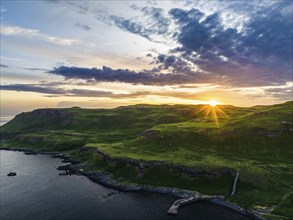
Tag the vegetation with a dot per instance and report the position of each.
(257, 142)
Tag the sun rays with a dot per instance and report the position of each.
(213, 111)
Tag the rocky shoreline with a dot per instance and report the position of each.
(106, 180)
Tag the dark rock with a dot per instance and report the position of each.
(31, 153)
(150, 133)
(112, 193)
(61, 156)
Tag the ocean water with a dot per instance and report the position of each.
(39, 192)
(5, 118)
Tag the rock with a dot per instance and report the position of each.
(150, 133)
(31, 153)
(61, 156)
(11, 174)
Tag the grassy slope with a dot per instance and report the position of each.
(255, 141)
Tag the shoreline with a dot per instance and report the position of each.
(106, 180)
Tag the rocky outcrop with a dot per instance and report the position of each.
(108, 181)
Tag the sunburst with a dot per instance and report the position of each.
(213, 110)
(213, 103)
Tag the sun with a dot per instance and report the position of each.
(213, 111)
(213, 103)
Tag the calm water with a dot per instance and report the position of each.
(5, 118)
(38, 192)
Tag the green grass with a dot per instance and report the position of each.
(285, 206)
(257, 142)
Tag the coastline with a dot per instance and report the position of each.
(106, 180)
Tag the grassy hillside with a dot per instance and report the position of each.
(257, 142)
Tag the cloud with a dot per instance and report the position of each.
(157, 20)
(52, 92)
(32, 88)
(152, 23)
(280, 93)
(83, 26)
(37, 69)
(36, 34)
(131, 26)
(145, 77)
(2, 9)
(209, 49)
(187, 92)
(31, 68)
(3, 66)
(261, 54)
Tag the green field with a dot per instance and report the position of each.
(256, 142)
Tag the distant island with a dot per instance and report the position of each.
(243, 154)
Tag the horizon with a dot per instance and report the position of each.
(142, 104)
(110, 54)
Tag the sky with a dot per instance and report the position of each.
(103, 54)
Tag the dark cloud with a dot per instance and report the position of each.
(83, 26)
(53, 91)
(185, 16)
(3, 66)
(32, 88)
(261, 54)
(176, 65)
(36, 69)
(89, 93)
(146, 77)
(280, 93)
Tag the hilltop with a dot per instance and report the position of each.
(183, 146)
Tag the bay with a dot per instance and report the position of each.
(39, 192)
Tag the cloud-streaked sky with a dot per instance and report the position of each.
(108, 53)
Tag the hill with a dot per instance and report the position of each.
(195, 147)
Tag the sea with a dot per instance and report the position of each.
(39, 192)
(5, 118)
